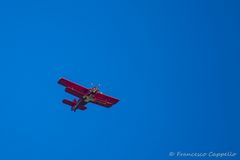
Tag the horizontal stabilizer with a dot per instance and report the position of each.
(82, 107)
(70, 103)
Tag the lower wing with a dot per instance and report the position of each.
(104, 100)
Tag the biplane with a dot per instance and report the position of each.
(85, 95)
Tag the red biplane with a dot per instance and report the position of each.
(85, 96)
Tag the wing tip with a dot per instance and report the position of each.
(115, 101)
(62, 81)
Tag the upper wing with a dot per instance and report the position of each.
(80, 89)
(73, 92)
(104, 100)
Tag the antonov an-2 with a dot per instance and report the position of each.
(85, 96)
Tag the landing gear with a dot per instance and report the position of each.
(82, 108)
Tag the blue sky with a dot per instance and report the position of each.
(174, 65)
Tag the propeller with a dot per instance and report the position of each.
(97, 86)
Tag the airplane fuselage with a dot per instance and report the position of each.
(86, 99)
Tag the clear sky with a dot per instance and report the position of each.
(174, 65)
